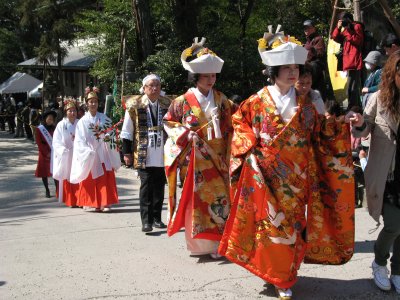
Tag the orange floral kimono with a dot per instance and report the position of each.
(277, 170)
(203, 165)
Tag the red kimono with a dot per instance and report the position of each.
(203, 166)
(292, 190)
(43, 165)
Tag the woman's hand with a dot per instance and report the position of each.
(355, 119)
(192, 135)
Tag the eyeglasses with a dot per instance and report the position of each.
(152, 86)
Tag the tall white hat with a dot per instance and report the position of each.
(205, 60)
(284, 50)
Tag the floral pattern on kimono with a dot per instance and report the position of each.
(203, 165)
(277, 170)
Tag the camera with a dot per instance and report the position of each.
(345, 23)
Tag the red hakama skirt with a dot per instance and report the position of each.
(99, 192)
(70, 193)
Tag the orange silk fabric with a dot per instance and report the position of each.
(292, 191)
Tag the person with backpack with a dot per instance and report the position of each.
(351, 35)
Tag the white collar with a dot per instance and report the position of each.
(285, 104)
(201, 98)
(89, 115)
(148, 99)
(276, 94)
(155, 103)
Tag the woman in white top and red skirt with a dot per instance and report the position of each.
(95, 158)
(63, 145)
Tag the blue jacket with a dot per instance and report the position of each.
(372, 83)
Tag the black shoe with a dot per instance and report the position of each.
(47, 194)
(159, 224)
(147, 228)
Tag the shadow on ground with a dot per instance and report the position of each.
(309, 288)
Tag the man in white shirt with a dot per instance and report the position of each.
(143, 146)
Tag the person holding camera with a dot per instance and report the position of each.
(382, 174)
(351, 35)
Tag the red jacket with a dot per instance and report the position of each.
(352, 40)
(43, 165)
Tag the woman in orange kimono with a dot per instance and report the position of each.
(199, 129)
(292, 186)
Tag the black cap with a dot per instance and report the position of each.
(389, 40)
(308, 23)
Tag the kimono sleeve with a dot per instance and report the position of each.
(84, 154)
(59, 154)
(177, 132)
(244, 138)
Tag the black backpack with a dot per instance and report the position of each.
(369, 43)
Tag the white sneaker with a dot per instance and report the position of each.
(106, 209)
(396, 282)
(284, 294)
(381, 277)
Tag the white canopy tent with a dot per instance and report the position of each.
(36, 92)
(19, 83)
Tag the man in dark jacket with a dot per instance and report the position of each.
(351, 35)
(316, 57)
(25, 117)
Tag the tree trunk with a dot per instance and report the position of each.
(334, 16)
(60, 85)
(357, 13)
(389, 15)
(141, 12)
(186, 13)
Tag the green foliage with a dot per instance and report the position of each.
(28, 25)
(10, 53)
(16, 42)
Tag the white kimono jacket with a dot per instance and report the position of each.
(63, 144)
(90, 153)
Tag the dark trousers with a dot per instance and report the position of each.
(11, 124)
(2, 124)
(28, 131)
(19, 130)
(353, 90)
(318, 78)
(152, 183)
(388, 237)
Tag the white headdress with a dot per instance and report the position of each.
(205, 60)
(284, 50)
